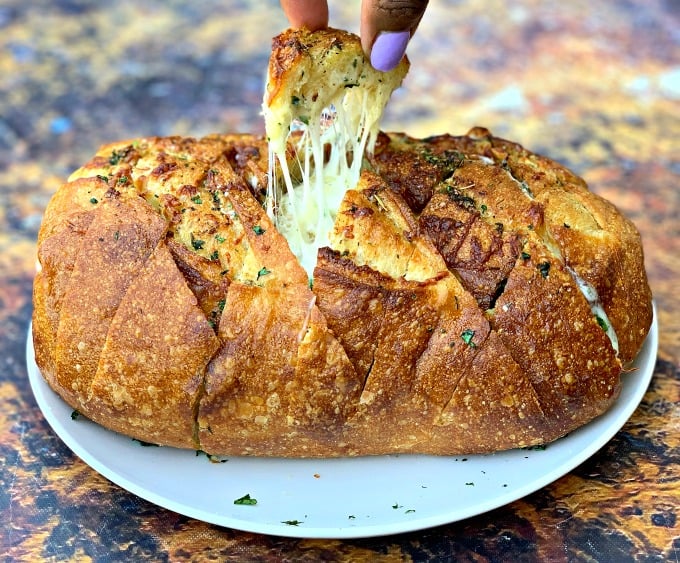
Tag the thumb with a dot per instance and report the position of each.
(386, 28)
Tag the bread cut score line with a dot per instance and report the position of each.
(587, 289)
(321, 93)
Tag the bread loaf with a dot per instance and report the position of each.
(467, 301)
(468, 296)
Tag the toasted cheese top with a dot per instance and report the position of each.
(324, 97)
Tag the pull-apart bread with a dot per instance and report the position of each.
(335, 291)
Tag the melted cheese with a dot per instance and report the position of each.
(335, 99)
(591, 295)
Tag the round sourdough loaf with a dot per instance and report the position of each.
(473, 297)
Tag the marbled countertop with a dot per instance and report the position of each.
(593, 85)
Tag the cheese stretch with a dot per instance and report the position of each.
(325, 100)
(304, 211)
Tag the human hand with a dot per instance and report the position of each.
(386, 25)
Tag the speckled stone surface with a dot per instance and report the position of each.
(593, 85)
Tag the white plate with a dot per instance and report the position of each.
(335, 498)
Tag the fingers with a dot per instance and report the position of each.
(312, 14)
(386, 28)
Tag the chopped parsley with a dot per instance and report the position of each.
(544, 268)
(116, 157)
(246, 500)
(467, 335)
(603, 324)
(220, 238)
(464, 201)
(263, 272)
(526, 256)
(75, 415)
(258, 230)
(215, 255)
(449, 160)
(94, 200)
(197, 199)
(291, 522)
(197, 243)
(103, 178)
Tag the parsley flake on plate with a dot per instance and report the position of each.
(246, 500)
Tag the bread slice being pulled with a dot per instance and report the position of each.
(468, 295)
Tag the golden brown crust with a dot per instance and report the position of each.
(174, 336)
(445, 317)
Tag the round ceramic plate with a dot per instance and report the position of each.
(334, 498)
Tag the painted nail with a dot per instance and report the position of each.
(388, 49)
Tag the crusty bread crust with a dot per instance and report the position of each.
(444, 318)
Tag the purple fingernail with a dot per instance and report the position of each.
(388, 49)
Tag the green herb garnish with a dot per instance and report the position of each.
(75, 415)
(603, 324)
(467, 335)
(246, 500)
(258, 230)
(197, 199)
(94, 200)
(291, 522)
(115, 157)
(263, 272)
